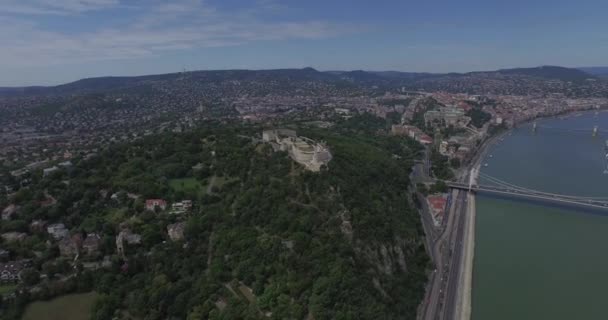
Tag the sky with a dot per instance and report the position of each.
(48, 42)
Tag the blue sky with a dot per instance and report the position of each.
(54, 41)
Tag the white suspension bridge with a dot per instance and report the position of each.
(501, 187)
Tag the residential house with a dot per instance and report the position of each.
(199, 166)
(462, 153)
(70, 246)
(176, 231)
(443, 148)
(437, 205)
(128, 237)
(58, 231)
(91, 244)
(424, 139)
(48, 171)
(66, 164)
(181, 207)
(9, 212)
(152, 204)
(10, 272)
(37, 226)
(4, 255)
(13, 236)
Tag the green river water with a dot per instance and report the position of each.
(539, 261)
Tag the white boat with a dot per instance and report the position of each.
(485, 164)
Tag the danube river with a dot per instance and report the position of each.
(535, 261)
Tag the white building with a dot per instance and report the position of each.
(443, 147)
(302, 150)
(58, 231)
(176, 231)
(181, 207)
(49, 171)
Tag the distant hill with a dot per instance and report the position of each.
(105, 84)
(293, 80)
(356, 75)
(596, 71)
(550, 72)
(405, 75)
(6, 91)
(80, 86)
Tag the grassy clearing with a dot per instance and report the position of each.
(185, 184)
(7, 289)
(68, 307)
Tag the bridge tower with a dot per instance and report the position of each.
(472, 178)
(594, 131)
(606, 156)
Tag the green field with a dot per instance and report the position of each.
(68, 307)
(185, 184)
(7, 289)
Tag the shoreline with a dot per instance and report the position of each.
(463, 308)
(464, 301)
(508, 212)
(466, 279)
(464, 305)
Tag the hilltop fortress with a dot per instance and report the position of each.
(307, 152)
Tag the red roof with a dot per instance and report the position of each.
(152, 203)
(437, 202)
(425, 139)
(155, 201)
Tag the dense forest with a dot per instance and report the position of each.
(266, 238)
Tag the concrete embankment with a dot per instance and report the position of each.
(465, 278)
(463, 306)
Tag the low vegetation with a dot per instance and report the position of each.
(69, 307)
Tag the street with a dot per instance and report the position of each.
(445, 246)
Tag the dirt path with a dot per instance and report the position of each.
(211, 184)
(209, 252)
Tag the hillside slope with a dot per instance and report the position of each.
(266, 237)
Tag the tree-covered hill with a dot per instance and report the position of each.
(266, 240)
(551, 72)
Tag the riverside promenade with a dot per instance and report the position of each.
(465, 281)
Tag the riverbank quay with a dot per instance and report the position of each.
(445, 246)
(465, 281)
(449, 292)
(462, 304)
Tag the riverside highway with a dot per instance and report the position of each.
(449, 283)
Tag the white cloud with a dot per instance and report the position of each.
(155, 29)
(45, 7)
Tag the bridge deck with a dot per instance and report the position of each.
(537, 195)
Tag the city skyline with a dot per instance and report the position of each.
(52, 42)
